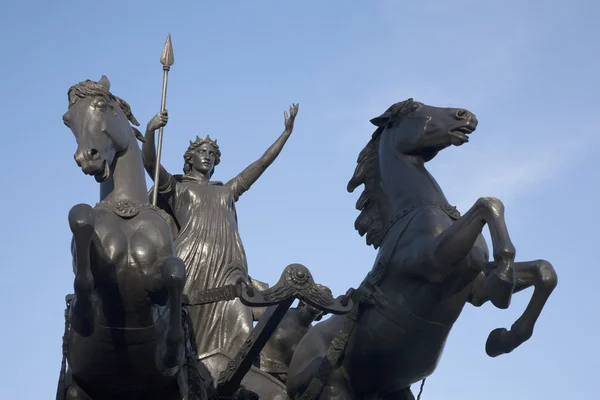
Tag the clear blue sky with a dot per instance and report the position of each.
(528, 70)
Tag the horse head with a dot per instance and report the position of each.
(421, 130)
(100, 122)
(408, 134)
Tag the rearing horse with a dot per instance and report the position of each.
(126, 338)
(431, 262)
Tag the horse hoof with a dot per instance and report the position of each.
(82, 220)
(498, 342)
(500, 287)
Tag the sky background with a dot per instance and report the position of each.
(528, 70)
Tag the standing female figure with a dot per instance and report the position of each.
(208, 240)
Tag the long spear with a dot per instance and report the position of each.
(166, 59)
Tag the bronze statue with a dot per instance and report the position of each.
(207, 238)
(164, 307)
(126, 335)
(431, 262)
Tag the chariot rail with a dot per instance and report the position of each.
(296, 282)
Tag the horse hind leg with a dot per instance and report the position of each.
(541, 275)
(455, 243)
(82, 224)
(172, 354)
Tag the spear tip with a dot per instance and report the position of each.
(167, 58)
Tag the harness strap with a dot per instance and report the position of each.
(197, 384)
(450, 211)
(333, 357)
(61, 390)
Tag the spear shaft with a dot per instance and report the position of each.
(167, 59)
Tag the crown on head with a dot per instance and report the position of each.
(191, 150)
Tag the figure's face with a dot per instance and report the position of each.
(204, 159)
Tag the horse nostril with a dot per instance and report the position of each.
(93, 154)
(462, 114)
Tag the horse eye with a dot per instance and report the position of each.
(100, 104)
(415, 107)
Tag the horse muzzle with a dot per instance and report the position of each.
(98, 168)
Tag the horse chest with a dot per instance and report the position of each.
(129, 248)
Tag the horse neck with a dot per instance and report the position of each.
(405, 182)
(128, 179)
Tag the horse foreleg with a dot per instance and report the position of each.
(82, 222)
(541, 275)
(455, 243)
(173, 275)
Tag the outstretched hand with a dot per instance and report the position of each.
(158, 121)
(289, 119)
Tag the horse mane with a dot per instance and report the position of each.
(367, 173)
(90, 88)
(369, 220)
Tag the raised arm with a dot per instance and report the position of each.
(149, 153)
(247, 177)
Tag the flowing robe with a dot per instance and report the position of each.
(209, 243)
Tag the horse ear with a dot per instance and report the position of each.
(382, 120)
(390, 113)
(104, 82)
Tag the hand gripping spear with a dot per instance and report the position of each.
(166, 59)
